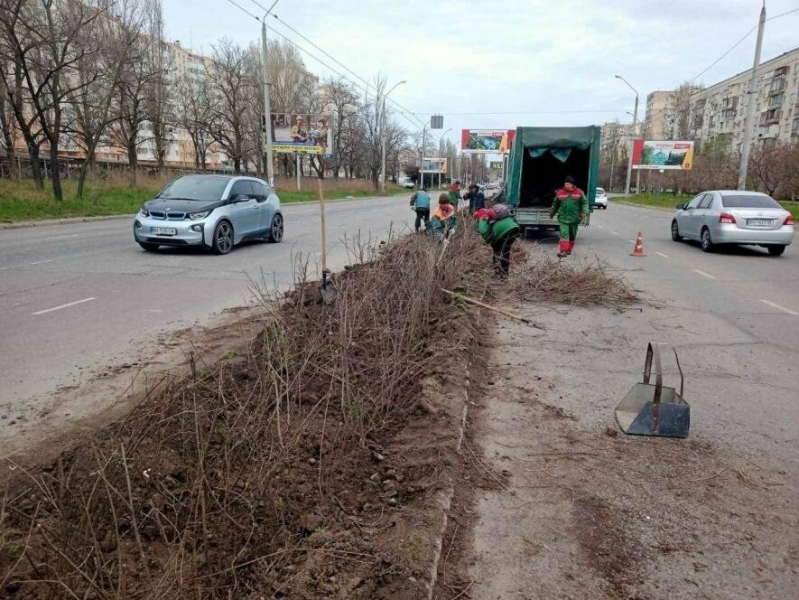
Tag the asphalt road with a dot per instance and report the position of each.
(79, 296)
(733, 316)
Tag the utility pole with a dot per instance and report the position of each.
(270, 167)
(632, 137)
(424, 141)
(750, 106)
(383, 141)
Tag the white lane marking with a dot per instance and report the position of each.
(782, 308)
(154, 310)
(703, 274)
(601, 226)
(41, 262)
(62, 237)
(615, 232)
(47, 310)
(661, 254)
(4, 268)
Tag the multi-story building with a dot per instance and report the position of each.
(616, 136)
(718, 112)
(659, 120)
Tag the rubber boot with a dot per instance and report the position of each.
(563, 249)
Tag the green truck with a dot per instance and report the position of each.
(539, 161)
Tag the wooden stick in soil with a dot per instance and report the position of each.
(500, 311)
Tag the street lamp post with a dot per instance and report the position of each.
(383, 141)
(632, 138)
(270, 167)
(444, 135)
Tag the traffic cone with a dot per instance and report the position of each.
(638, 251)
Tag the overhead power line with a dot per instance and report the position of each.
(739, 42)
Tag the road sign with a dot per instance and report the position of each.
(437, 122)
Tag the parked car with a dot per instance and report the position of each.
(734, 217)
(215, 211)
(407, 182)
(601, 199)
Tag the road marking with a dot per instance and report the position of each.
(703, 274)
(782, 308)
(661, 254)
(48, 310)
(615, 232)
(41, 262)
(601, 226)
(4, 268)
(62, 237)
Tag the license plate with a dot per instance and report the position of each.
(760, 222)
(163, 230)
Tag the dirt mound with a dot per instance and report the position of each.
(304, 468)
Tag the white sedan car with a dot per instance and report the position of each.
(601, 200)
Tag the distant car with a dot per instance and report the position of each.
(407, 183)
(734, 217)
(601, 200)
(215, 211)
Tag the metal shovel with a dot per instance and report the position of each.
(328, 290)
(654, 409)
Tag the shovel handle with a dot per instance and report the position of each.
(652, 350)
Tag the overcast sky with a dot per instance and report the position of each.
(509, 56)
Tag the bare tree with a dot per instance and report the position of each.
(230, 77)
(7, 122)
(99, 73)
(773, 169)
(158, 91)
(195, 114)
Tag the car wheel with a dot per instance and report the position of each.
(149, 247)
(776, 250)
(223, 238)
(675, 232)
(707, 243)
(276, 230)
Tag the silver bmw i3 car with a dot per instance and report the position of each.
(214, 211)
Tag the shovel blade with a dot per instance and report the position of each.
(329, 292)
(638, 414)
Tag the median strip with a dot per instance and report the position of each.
(55, 308)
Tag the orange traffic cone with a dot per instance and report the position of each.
(639, 246)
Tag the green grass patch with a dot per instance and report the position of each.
(23, 201)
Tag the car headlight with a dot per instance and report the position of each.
(144, 212)
(199, 215)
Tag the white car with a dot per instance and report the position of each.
(407, 183)
(601, 200)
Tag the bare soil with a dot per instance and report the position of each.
(588, 512)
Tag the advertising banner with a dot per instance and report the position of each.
(486, 141)
(432, 165)
(648, 154)
(304, 134)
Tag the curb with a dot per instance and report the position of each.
(73, 220)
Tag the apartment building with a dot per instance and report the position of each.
(718, 112)
(616, 136)
(660, 118)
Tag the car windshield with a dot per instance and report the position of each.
(196, 187)
(749, 201)
(600, 192)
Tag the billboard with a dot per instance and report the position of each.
(432, 165)
(495, 165)
(486, 141)
(648, 154)
(305, 134)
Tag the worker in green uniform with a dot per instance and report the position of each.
(571, 207)
(499, 230)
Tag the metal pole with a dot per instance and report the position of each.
(424, 141)
(297, 169)
(752, 101)
(632, 137)
(270, 167)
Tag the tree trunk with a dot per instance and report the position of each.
(36, 168)
(58, 193)
(237, 165)
(133, 161)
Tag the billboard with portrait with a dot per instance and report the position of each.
(305, 134)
